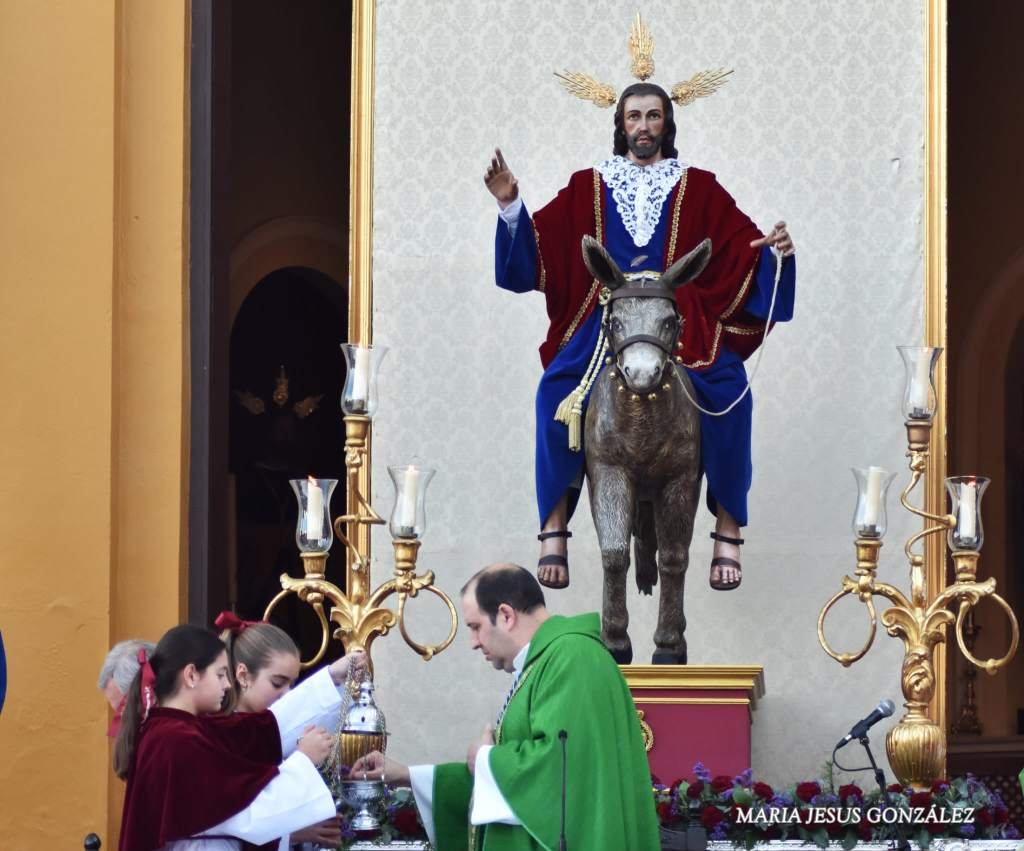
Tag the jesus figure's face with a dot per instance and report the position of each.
(643, 119)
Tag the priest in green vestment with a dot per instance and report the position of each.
(507, 796)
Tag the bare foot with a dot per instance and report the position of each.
(726, 576)
(553, 574)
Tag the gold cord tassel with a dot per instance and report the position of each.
(570, 409)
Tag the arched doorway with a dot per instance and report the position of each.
(286, 375)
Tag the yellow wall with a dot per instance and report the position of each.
(93, 348)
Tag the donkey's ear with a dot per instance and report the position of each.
(600, 263)
(689, 267)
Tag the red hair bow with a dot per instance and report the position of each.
(232, 622)
(147, 694)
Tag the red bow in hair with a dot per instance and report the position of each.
(147, 694)
(147, 690)
(232, 622)
(115, 722)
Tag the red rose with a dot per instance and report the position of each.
(939, 786)
(1002, 815)
(763, 790)
(921, 799)
(935, 827)
(983, 816)
(894, 787)
(710, 816)
(835, 828)
(720, 784)
(806, 791)
(406, 822)
(665, 814)
(694, 789)
(850, 790)
(864, 830)
(674, 788)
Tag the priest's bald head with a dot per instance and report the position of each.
(502, 606)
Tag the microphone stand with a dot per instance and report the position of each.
(902, 844)
(561, 840)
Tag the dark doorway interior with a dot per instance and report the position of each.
(286, 379)
(270, 90)
(985, 366)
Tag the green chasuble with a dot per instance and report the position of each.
(569, 682)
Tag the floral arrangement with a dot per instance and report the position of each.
(745, 812)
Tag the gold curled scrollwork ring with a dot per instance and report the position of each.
(846, 659)
(428, 651)
(319, 609)
(990, 666)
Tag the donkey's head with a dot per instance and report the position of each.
(642, 323)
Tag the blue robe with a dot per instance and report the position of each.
(725, 440)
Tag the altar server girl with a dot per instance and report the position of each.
(264, 662)
(202, 781)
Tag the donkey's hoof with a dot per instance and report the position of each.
(668, 657)
(623, 656)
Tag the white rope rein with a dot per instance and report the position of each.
(757, 363)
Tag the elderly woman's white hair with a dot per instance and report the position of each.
(122, 663)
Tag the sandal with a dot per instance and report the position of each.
(562, 561)
(722, 561)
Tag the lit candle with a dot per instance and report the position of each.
(968, 510)
(314, 511)
(407, 508)
(873, 496)
(920, 384)
(361, 375)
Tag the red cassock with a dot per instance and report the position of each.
(193, 772)
(712, 304)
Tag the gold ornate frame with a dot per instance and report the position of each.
(360, 311)
(935, 310)
(361, 255)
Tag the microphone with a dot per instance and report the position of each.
(562, 735)
(860, 729)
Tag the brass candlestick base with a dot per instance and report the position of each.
(916, 748)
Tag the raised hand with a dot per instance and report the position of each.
(778, 238)
(375, 766)
(316, 743)
(500, 181)
(339, 669)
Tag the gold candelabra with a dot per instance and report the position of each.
(916, 746)
(359, 615)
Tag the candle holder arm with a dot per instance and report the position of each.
(970, 594)
(313, 592)
(850, 587)
(406, 585)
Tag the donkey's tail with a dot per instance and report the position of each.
(645, 547)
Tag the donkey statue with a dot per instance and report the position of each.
(643, 448)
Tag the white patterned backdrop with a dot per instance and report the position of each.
(822, 124)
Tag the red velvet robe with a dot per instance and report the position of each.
(712, 304)
(190, 773)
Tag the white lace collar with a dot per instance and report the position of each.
(640, 192)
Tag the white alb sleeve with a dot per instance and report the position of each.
(317, 700)
(489, 805)
(421, 779)
(296, 798)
